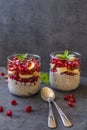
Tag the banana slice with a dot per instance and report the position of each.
(52, 66)
(31, 66)
(74, 71)
(36, 74)
(11, 72)
(61, 70)
(25, 76)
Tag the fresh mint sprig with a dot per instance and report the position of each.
(22, 56)
(65, 55)
(45, 78)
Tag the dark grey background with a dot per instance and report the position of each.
(43, 26)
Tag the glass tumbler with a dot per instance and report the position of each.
(65, 70)
(23, 74)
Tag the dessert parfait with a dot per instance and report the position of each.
(23, 74)
(65, 70)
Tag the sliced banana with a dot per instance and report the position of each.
(11, 72)
(52, 66)
(61, 70)
(36, 74)
(74, 71)
(25, 76)
(31, 66)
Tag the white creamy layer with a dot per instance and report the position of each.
(63, 81)
(23, 89)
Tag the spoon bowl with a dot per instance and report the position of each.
(47, 94)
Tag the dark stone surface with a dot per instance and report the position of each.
(43, 26)
(37, 119)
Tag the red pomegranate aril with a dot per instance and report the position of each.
(1, 109)
(75, 64)
(69, 65)
(70, 103)
(2, 74)
(28, 109)
(71, 96)
(9, 113)
(66, 97)
(15, 58)
(60, 63)
(72, 100)
(53, 61)
(13, 102)
(21, 68)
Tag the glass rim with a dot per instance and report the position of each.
(60, 52)
(29, 55)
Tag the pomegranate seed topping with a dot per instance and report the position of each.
(70, 103)
(9, 113)
(1, 109)
(2, 74)
(13, 102)
(66, 97)
(53, 61)
(28, 109)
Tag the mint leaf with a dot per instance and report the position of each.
(70, 56)
(61, 56)
(66, 53)
(45, 78)
(22, 56)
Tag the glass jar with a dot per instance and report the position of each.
(65, 70)
(23, 74)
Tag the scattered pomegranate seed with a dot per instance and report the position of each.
(9, 113)
(66, 97)
(13, 102)
(71, 96)
(70, 103)
(28, 109)
(2, 74)
(1, 109)
(72, 99)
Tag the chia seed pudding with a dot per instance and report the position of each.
(65, 71)
(23, 74)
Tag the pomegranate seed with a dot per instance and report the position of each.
(53, 61)
(66, 97)
(1, 109)
(28, 109)
(72, 99)
(60, 63)
(15, 58)
(2, 74)
(13, 102)
(70, 103)
(9, 113)
(71, 96)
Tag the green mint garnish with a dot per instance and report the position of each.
(70, 56)
(65, 55)
(22, 56)
(45, 78)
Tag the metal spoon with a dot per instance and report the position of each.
(47, 93)
(47, 97)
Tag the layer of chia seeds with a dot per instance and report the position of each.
(64, 82)
(23, 89)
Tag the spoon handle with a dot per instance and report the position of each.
(65, 120)
(51, 119)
